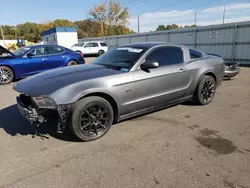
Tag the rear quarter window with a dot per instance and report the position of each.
(53, 50)
(195, 54)
(103, 44)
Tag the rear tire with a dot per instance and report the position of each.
(6, 75)
(72, 63)
(91, 118)
(101, 52)
(205, 90)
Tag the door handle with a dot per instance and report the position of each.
(182, 70)
(43, 59)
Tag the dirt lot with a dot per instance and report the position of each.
(182, 146)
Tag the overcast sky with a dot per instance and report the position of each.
(152, 12)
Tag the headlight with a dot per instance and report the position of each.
(44, 102)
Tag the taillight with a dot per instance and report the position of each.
(81, 54)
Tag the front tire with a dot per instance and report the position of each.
(205, 90)
(6, 75)
(91, 118)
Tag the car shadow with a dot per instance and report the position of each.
(12, 122)
(189, 103)
(90, 55)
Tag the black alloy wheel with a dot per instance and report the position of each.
(94, 120)
(208, 90)
(91, 118)
(205, 90)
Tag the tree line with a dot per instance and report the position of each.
(173, 26)
(105, 20)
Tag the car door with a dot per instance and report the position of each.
(34, 61)
(91, 48)
(164, 84)
(56, 57)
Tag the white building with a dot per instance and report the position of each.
(63, 36)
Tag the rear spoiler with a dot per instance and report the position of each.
(214, 55)
(226, 62)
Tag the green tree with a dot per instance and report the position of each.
(28, 31)
(120, 30)
(161, 28)
(173, 26)
(87, 28)
(63, 23)
(109, 16)
(98, 14)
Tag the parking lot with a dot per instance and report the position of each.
(182, 146)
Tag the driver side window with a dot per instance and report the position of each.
(38, 52)
(166, 56)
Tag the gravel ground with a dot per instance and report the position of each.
(182, 146)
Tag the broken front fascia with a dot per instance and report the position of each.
(35, 114)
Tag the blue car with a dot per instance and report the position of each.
(31, 60)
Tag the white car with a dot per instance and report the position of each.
(91, 48)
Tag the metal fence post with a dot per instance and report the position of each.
(110, 41)
(168, 37)
(195, 37)
(146, 36)
(234, 42)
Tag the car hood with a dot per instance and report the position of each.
(50, 81)
(4, 50)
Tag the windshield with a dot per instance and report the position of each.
(122, 58)
(81, 44)
(21, 51)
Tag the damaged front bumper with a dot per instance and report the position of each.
(31, 115)
(37, 115)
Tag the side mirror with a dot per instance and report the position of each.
(29, 55)
(149, 65)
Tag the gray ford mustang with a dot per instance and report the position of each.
(127, 81)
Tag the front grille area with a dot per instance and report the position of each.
(232, 67)
(26, 100)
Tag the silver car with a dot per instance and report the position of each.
(127, 81)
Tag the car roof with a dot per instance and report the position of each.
(149, 44)
(93, 41)
(41, 45)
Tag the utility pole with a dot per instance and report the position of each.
(2, 32)
(224, 12)
(138, 22)
(195, 18)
